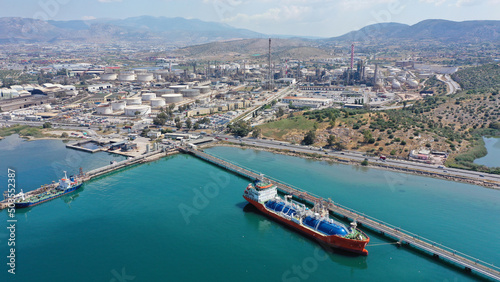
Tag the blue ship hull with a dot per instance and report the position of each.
(34, 203)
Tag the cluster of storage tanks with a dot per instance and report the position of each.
(128, 76)
(156, 98)
(399, 77)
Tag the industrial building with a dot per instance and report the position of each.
(99, 87)
(307, 102)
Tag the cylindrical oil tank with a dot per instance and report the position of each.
(157, 102)
(178, 88)
(412, 83)
(137, 110)
(396, 84)
(118, 105)
(109, 76)
(104, 109)
(160, 92)
(172, 98)
(203, 89)
(148, 96)
(126, 77)
(145, 77)
(133, 101)
(190, 93)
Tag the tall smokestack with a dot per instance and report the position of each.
(352, 56)
(269, 65)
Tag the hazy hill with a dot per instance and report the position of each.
(28, 30)
(281, 48)
(436, 30)
(187, 32)
(160, 29)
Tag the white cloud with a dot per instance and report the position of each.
(109, 1)
(88, 18)
(281, 14)
(459, 3)
(435, 2)
(353, 5)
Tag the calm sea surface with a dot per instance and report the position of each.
(182, 219)
(492, 159)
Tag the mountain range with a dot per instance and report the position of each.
(443, 31)
(176, 31)
(181, 32)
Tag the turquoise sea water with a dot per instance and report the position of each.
(182, 219)
(43, 161)
(492, 159)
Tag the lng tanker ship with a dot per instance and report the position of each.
(313, 222)
(66, 186)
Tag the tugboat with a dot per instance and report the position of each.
(313, 222)
(66, 185)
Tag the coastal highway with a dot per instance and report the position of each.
(453, 86)
(359, 156)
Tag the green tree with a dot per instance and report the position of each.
(367, 135)
(280, 112)
(196, 125)
(64, 135)
(189, 123)
(309, 138)
(47, 125)
(339, 146)
(256, 132)
(240, 128)
(331, 140)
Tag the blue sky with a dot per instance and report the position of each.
(323, 18)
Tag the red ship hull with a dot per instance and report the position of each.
(350, 245)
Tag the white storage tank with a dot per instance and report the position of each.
(145, 77)
(109, 76)
(104, 109)
(172, 98)
(157, 102)
(203, 89)
(126, 77)
(178, 88)
(412, 83)
(190, 93)
(148, 96)
(396, 84)
(160, 92)
(139, 110)
(133, 101)
(118, 105)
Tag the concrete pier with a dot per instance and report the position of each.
(403, 237)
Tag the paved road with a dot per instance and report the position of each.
(274, 96)
(359, 156)
(453, 86)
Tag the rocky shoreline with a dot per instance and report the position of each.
(385, 166)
